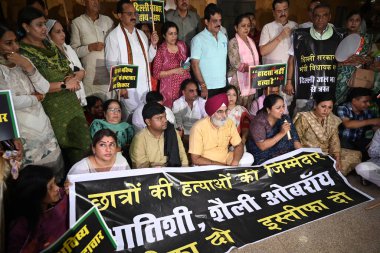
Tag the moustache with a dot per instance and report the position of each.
(282, 16)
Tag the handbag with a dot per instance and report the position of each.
(364, 78)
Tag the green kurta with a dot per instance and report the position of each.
(63, 108)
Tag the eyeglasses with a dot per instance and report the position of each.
(114, 110)
(130, 14)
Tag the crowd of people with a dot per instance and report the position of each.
(193, 106)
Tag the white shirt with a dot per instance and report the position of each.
(185, 116)
(270, 32)
(139, 123)
(116, 53)
(84, 166)
(85, 31)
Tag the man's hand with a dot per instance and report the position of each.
(124, 93)
(285, 33)
(204, 92)
(154, 38)
(97, 46)
(288, 89)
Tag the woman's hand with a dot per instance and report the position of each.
(355, 60)
(79, 75)
(285, 128)
(21, 61)
(72, 84)
(39, 96)
(179, 71)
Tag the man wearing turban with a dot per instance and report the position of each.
(211, 138)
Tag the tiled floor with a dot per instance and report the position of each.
(353, 230)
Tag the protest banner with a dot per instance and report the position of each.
(269, 75)
(8, 121)
(150, 11)
(89, 234)
(315, 66)
(123, 77)
(213, 209)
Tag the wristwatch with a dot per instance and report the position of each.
(63, 86)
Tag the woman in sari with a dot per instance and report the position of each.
(60, 104)
(347, 68)
(319, 128)
(269, 131)
(242, 53)
(28, 89)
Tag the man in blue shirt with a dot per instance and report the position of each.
(209, 54)
(356, 120)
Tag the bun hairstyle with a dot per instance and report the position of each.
(270, 100)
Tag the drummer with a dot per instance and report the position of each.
(354, 54)
(313, 54)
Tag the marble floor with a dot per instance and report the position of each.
(350, 231)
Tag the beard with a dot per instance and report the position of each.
(218, 122)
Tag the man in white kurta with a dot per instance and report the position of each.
(88, 32)
(275, 39)
(116, 52)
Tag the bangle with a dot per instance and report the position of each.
(203, 85)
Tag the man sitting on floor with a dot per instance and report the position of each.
(357, 120)
(212, 137)
(157, 145)
(370, 170)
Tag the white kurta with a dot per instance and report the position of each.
(116, 53)
(39, 142)
(84, 31)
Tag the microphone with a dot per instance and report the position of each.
(288, 132)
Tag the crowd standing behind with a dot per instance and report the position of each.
(199, 113)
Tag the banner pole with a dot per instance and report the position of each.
(151, 13)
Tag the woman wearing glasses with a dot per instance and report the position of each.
(112, 121)
(105, 156)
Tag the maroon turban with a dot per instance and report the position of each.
(214, 103)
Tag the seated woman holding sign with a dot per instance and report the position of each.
(105, 157)
(242, 53)
(38, 211)
(272, 133)
(123, 130)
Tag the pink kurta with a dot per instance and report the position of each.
(164, 60)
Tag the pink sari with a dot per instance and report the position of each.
(250, 57)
